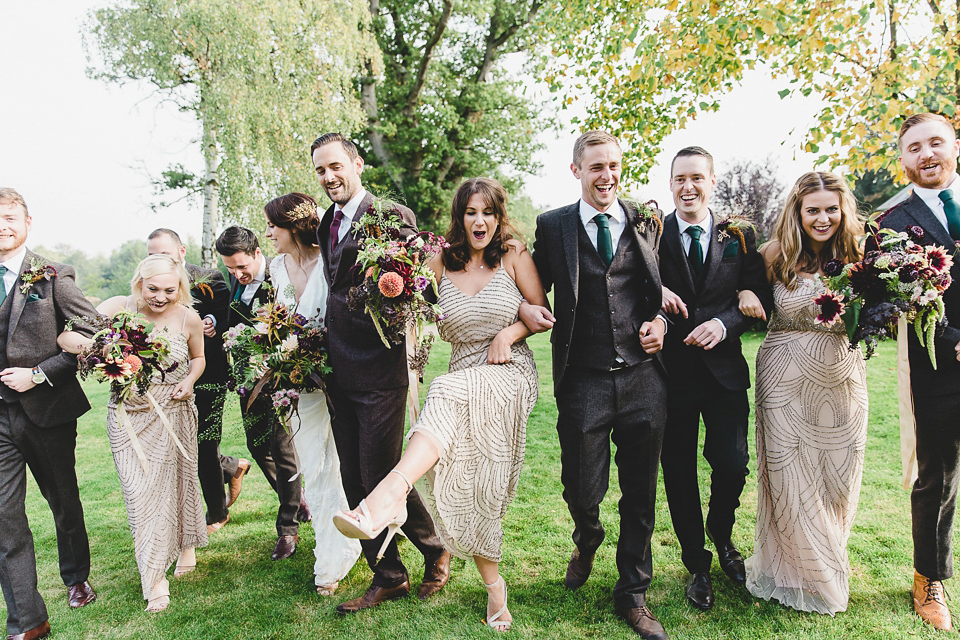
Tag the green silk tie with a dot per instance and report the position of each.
(695, 254)
(604, 242)
(952, 209)
(3, 285)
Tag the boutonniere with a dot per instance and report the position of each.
(202, 284)
(39, 270)
(382, 219)
(734, 226)
(647, 213)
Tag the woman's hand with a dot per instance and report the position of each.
(183, 391)
(750, 305)
(499, 350)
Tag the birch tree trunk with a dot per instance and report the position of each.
(211, 199)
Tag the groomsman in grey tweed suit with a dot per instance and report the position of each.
(600, 256)
(40, 401)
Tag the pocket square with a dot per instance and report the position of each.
(732, 249)
(33, 297)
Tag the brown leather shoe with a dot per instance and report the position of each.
(928, 602)
(643, 622)
(216, 526)
(80, 595)
(236, 482)
(32, 634)
(374, 596)
(435, 575)
(286, 546)
(578, 570)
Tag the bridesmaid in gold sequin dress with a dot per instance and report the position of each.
(470, 438)
(811, 409)
(163, 501)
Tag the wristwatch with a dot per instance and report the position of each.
(38, 376)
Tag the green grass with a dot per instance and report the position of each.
(238, 592)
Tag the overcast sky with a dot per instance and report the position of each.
(81, 151)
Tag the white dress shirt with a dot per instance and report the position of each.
(13, 266)
(250, 290)
(349, 212)
(685, 239)
(931, 198)
(616, 222)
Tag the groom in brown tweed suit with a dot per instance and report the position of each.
(40, 401)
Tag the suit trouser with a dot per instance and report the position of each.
(725, 416)
(271, 447)
(627, 404)
(50, 454)
(934, 497)
(368, 429)
(210, 413)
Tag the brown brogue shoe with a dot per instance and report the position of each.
(929, 603)
(578, 570)
(40, 631)
(236, 482)
(286, 546)
(643, 622)
(80, 595)
(435, 575)
(375, 595)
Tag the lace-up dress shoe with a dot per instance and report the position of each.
(435, 575)
(80, 595)
(286, 546)
(32, 634)
(730, 559)
(643, 622)
(700, 591)
(375, 595)
(929, 603)
(578, 570)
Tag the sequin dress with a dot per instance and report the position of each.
(164, 506)
(811, 419)
(477, 416)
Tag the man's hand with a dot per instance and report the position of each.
(18, 378)
(538, 319)
(672, 303)
(651, 335)
(706, 335)
(209, 329)
(957, 349)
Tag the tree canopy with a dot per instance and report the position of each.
(653, 65)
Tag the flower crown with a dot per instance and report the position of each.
(303, 210)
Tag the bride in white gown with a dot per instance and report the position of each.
(297, 276)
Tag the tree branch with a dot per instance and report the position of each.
(439, 28)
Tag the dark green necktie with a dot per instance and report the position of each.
(604, 243)
(3, 285)
(239, 294)
(695, 254)
(952, 209)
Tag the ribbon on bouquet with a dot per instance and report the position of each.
(124, 420)
(908, 426)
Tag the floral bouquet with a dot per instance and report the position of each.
(283, 353)
(395, 278)
(904, 277)
(124, 352)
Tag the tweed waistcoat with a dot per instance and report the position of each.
(8, 394)
(607, 318)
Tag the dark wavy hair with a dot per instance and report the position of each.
(457, 255)
(280, 213)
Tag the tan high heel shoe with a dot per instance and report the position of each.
(494, 621)
(359, 524)
(159, 597)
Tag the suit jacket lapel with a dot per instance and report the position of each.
(926, 219)
(570, 232)
(19, 299)
(714, 255)
(646, 250)
(323, 238)
(671, 235)
(350, 244)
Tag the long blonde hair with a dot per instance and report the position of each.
(155, 265)
(796, 253)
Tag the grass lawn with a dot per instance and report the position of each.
(238, 592)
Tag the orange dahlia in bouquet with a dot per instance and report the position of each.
(395, 279)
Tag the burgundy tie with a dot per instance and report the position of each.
(335, 229)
